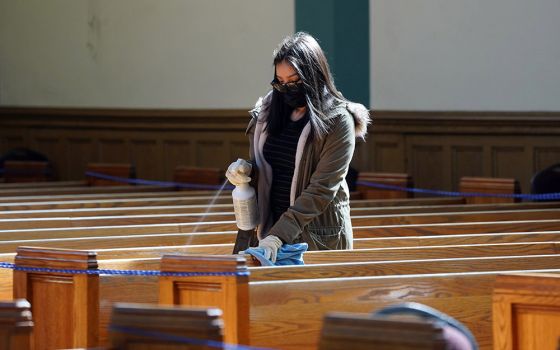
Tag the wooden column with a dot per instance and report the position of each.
(228, 293)
(400, 180)
(133, 326)
(491, 186)
(526, 311)
(16, 325)
(65, 306)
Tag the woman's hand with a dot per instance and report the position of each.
(238, 172)
(270, 245)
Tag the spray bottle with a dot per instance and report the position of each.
(245, 204)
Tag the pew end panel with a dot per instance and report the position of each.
(491, 186)
(297, 307)
(16, 325)
(62, 304)
(228, 292)
(124, 170)
(143, 326)
(393, 179)
(27, 171)
(200, 176)
(526, 311)
(343, 331)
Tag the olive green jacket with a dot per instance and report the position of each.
(319, 211)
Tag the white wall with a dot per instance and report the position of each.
(465, 54)
(139, 53)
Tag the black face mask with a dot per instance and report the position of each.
(295, 98)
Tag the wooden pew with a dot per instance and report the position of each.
(11, 193)
(229, 227)
(277, 308)
(173, 198)
(382, 253)
(123, 170)
(105, 194)
(134, 326)
(464, 239)
(341, 331)
(197, 175)
(370, 220)
(71, 300)
(27, 171)
(514, 240)
(393, 179)
(489, 186)
(483, 185)
(166, 235)
(135, 200)
(138, 257)
(46, 184)
(16, 325)
(228, 209)
(455, 228)
(113, 288)
(526, 312)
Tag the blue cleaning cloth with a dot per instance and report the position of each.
(288, 254)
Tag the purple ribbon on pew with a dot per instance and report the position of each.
(157, 183)
(6, 265)
(544, 196)
(181, 339)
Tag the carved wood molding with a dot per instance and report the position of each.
(448, 122)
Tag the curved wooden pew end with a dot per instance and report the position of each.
(343, 331)
(65, 304)
(525, 311)
(226, 287)
(133, 325)
(16, 324)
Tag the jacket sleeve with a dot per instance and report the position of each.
(250, 132)
(325, 181)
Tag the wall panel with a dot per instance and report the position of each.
(466, 160)
(545, 157)
(79, 152)
(436, 148)
(426, 162)
(146, 156)
(212, 152)
(55, 150)
(509, 162)
(175, 153)
(113, 150)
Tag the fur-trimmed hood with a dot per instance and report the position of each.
(361, 118)
(358, 111)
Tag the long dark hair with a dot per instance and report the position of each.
(307, 58)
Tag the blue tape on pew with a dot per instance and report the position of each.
(157, 183)
(6, 265)
(547, 196)
(181, 339)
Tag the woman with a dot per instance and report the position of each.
(302, 138)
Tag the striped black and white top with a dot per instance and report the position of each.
(280, 152)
